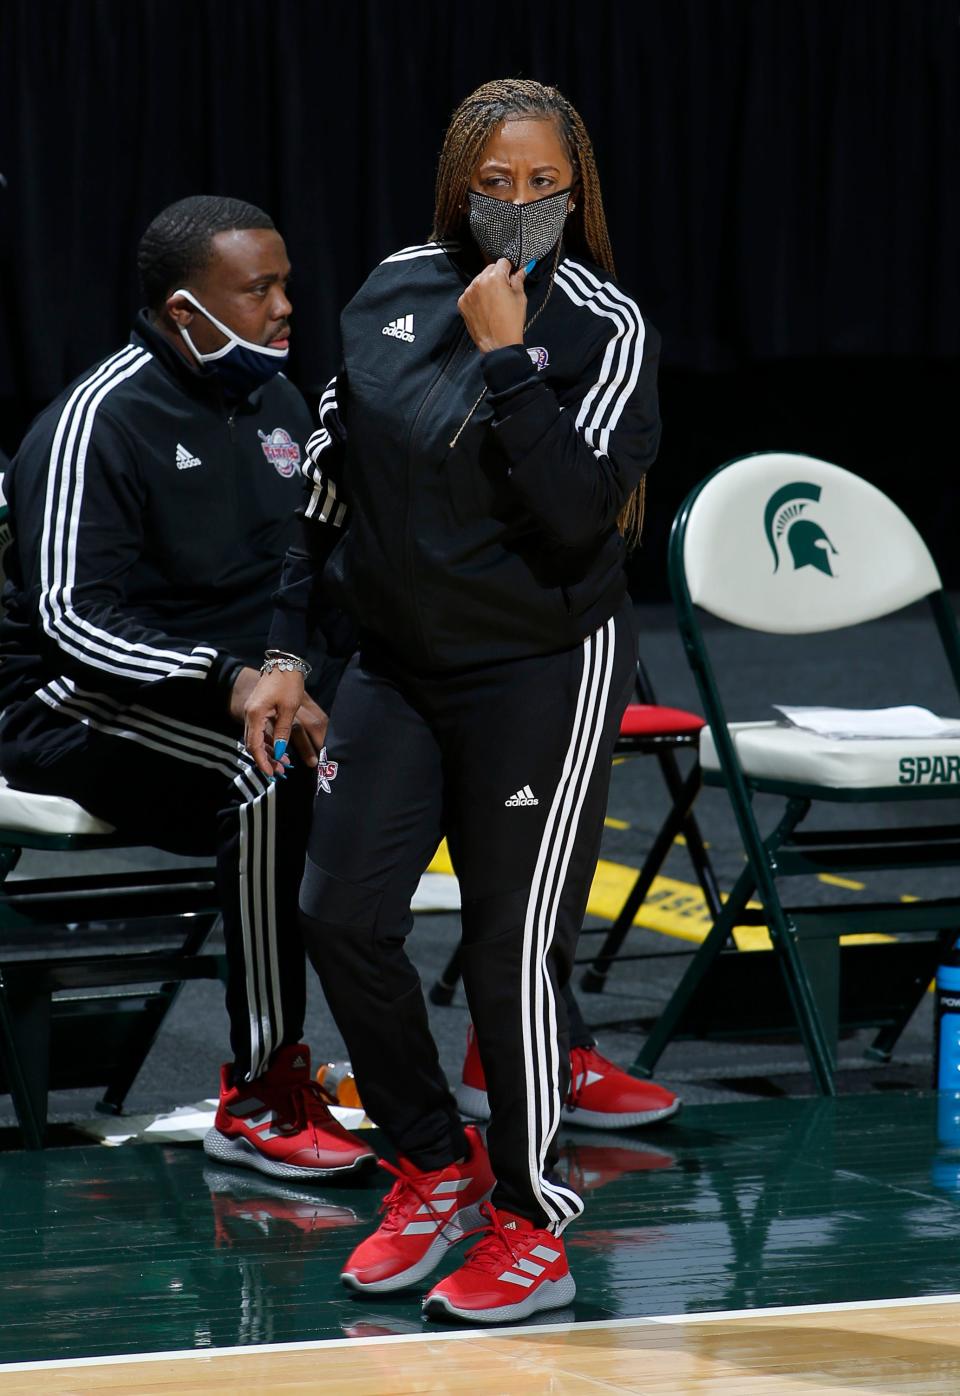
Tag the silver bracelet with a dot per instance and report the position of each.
(280, 659)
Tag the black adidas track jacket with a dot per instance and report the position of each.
(500, 542)
(150, 518)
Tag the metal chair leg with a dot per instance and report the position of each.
(807, 1009)
(799, 972)
(24, 1038)
(696, 971)
(443, 990)
(881, 1048)
(151, 1021)
(594, 977)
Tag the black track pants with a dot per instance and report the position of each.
(512, 763)
(168, 782)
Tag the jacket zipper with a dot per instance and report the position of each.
(234, 452)
(409, 570)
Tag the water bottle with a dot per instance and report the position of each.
(338, 1084)
(947, 1050)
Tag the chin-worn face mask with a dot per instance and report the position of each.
(241, 364)
(519, 232)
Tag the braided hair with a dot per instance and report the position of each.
(178, 244)
(471, 126)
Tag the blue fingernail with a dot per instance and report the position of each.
(530, 266)
(278, 749)
(271, 778)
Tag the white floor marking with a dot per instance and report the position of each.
(526, 1330)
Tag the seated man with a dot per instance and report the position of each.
(151, 505)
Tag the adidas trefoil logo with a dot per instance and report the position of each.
(185, 461)
(522, 797)
(401, 329)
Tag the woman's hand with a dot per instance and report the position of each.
(269, 715)
(494, 307)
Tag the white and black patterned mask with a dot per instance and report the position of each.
(518, 232)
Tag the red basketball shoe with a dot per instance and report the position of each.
(601, 1096)
(424, 1214)
(279, 1124)
(515, 1271)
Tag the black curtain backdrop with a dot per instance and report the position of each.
(781, 180)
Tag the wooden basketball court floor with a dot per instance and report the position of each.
(771, 1246)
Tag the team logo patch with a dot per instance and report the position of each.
(539, 357)
(280, 450)
(326, 772)
(787, 521)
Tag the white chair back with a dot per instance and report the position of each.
(791, 545)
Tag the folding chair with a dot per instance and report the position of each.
(786, 545)
(54, 1032)
(646, 729)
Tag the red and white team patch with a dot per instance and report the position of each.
(280, 450)
(326, 772)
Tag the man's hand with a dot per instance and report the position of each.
(494, 307)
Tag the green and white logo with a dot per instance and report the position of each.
(786, 518)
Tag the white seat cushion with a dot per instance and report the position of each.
(771, 751)
(45, 814)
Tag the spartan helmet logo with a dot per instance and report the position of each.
(786, 516)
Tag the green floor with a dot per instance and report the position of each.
(146, 1248)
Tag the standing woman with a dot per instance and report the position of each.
(480, 459)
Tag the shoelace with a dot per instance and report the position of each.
(309, 1110)
(488, 1255)
(396, 1205)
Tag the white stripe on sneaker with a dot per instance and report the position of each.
(529, 1267)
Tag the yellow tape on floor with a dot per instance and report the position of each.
(672, 907)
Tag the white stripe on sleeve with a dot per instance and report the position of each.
(58, 557)
(603, 404)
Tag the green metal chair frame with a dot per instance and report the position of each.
(805, 939)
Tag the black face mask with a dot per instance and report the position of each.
(241, 364)
(519, 232)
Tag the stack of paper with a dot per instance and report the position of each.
(851, 723)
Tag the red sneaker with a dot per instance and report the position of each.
(279, 1124)
(601, 1096)
(472, 1091)
(424, 1214)
(515, 1271)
